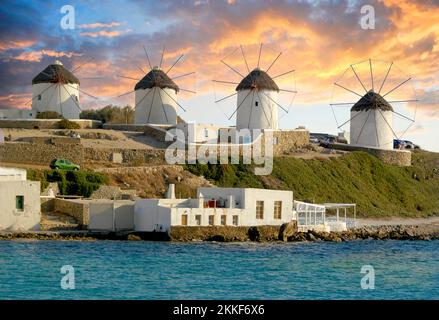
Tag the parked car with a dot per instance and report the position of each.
(64, 165)
(325, 142)
(404, 144)
(313, 139)
(399, 144)
(410, 145)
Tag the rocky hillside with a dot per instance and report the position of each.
(377, 188)
(152, 181)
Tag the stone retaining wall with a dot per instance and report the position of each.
(129, 156)
(39, 153)
(289, 140)
(225, 233)
(76, 209)
(401, 158)
(46, 123)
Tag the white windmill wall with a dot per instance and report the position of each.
(376, 132)
(161, 104)
(251, 116)
(58, 98)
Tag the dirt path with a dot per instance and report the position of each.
(398, 221)
(24, 165)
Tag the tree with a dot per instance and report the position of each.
(110, 114)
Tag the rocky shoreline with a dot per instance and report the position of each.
(241, 234)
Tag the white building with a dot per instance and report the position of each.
(216, 207)
(19, 201)
(111, 215)
(371, 122)
(256, 105)
(156, 99)
(56, 89)
(17, 114)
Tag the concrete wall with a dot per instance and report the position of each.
(156, 107)
(12, 174)
(17, 114)
(111, 215)
(150, 216)
(12, 218)
(46, 123)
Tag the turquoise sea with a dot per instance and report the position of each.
(162, 270)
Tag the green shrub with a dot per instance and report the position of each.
(38, 175)
(80, 183)
(67, 124)
(48, 115)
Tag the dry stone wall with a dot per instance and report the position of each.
(401, 158)
(46, 123)
(40, 153)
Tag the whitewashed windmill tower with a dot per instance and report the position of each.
(156, 95)
(372, 116)
(156, 99)
(372, 122)
(56, 89)
(259, 111)
(257, 97)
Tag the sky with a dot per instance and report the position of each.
(319, 40)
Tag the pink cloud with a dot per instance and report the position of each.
(96, 25)
(16, 44)
(36, 56)
(104, 33)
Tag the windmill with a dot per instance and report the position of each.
(57, 89)
(156, 94)
(257, 95)
(377, 114)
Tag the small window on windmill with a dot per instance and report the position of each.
(206, 133)
(39, 97)
(256, 103)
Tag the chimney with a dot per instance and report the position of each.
(170, 194)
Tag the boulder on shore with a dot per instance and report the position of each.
(287, 230)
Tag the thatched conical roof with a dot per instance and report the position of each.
(55, 73)
(156, 78)
(372, 100)
(257, 79)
